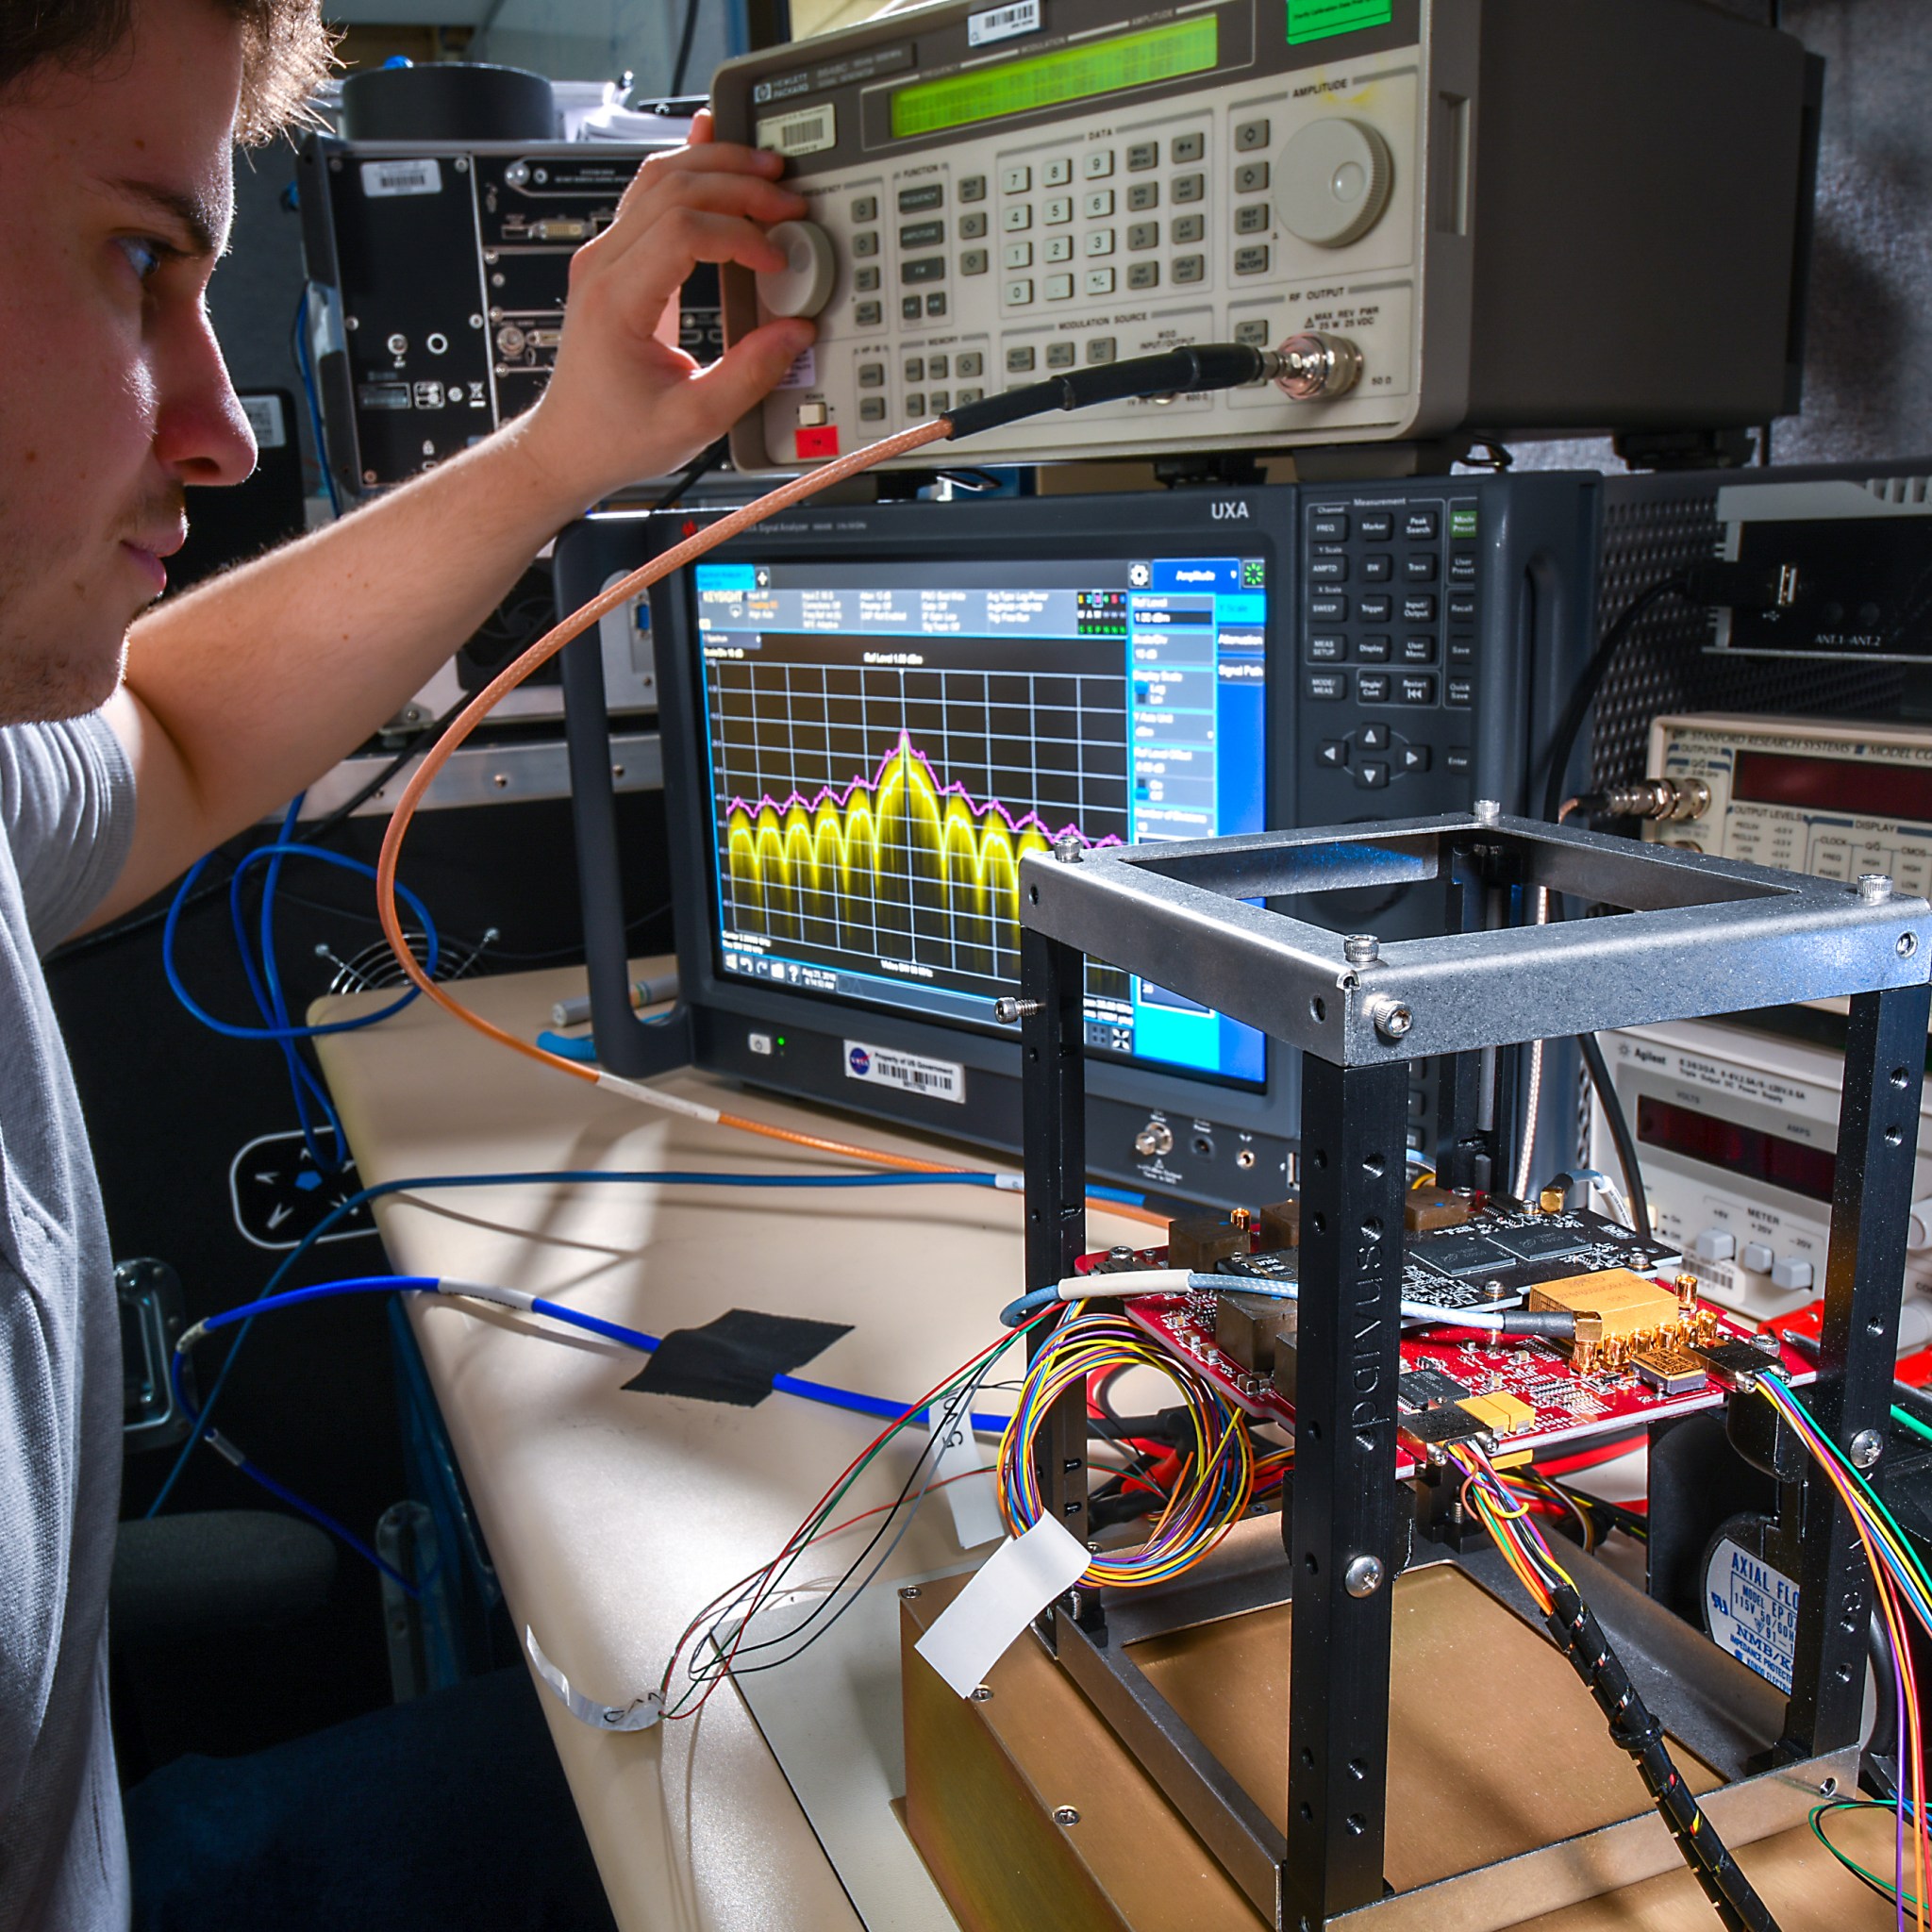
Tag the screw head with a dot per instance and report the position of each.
(911, 1591)
(1009, 1012)
(1488, 811)
(1907, 945)
(1866, 1447)
(1363, 1576)
(1874, 888)
(1391, 1018)
(1361, 949)
(1069, 851)
(1065, 1814)
(980, 1693)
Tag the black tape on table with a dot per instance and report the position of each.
(733, 1359)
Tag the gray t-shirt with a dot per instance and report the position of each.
(66, 816)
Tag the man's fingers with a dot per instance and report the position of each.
(646, 207)
(751, 368)
(639, 281)
(711, 156)
(730, 194)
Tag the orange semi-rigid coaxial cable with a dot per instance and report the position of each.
(1214, 366)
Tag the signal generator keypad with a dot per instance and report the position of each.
(1017, 255)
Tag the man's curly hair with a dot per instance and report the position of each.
(286, 50)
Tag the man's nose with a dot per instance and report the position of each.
(203, 434)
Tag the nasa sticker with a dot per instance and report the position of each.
(881, 1066)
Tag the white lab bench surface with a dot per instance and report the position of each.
(612, 1514)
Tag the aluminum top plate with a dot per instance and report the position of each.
(1700, 936)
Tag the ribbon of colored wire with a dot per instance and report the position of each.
(1216, 1482)
(1896, 1574)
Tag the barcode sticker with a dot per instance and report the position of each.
(417, 175)
(1002, 23)
(808, 131)
(879, 1066)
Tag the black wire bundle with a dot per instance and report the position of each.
(1582, 1640)
(1562, 748)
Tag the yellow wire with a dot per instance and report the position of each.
(1854, 1508)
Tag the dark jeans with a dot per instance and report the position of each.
(448, 1811)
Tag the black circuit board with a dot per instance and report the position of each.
(1501, 1254)
(1494, 1259)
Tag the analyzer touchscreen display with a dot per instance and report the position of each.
(885, 744)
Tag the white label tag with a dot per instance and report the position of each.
(418, 175)
(879, 1066)
(1014, 1585)
(808, 131)
(1754, 1613)
(1002, 23)
(804, 373)
(975, 1515)
(265, 419)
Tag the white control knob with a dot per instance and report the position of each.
(1756, 1259)
(1334, 177)
(803, 285)
(1792, 1274)
(1714, 1244)
(1918, 1229)
(1914, 1324)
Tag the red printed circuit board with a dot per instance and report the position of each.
(1530, 1395)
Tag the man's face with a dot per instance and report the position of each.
(112, 390)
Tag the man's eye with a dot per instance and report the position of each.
(143, 256)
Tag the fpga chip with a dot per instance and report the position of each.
(1541, 1244)
(1460, 1253)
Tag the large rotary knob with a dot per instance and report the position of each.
(1335, 178)
(803, 285)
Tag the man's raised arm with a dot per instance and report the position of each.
(243, 691)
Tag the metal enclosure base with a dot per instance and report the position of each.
(1694, 936)
(985, 1777)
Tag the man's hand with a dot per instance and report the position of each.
(252, 684)
(624, 403)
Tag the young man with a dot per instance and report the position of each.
(126, 753)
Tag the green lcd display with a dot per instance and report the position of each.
(1050, 80)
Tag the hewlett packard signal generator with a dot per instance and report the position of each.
(1517, 214)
